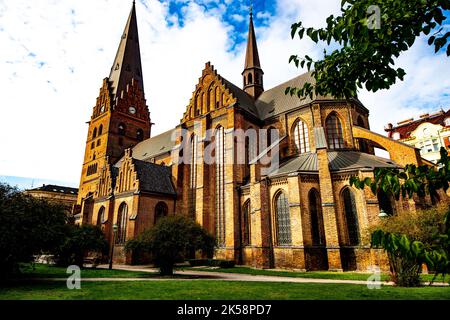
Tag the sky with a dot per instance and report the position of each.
(54, 55)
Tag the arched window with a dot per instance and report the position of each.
(94, 135)
(315, 211)
(99, 142)
(361, 122)
(161, 211)
(101, 216)
(250, 78)
(212, 99)
(92, 145)
(246, 224)
(140, 135)
(122, 129)
(386, 203)
(283, 220)
(122, 220)
(220, 185)
(100, 130)
(193, 175)
(301, 137)
(351, 216)
(334, 132)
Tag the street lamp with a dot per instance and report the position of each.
(383, 214)
(111, 254)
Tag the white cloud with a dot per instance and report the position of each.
(56, 53)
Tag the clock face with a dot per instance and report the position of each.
(132, 110)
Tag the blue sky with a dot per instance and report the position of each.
(54, 55)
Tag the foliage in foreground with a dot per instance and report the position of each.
(406, 251)
(28, 226)
(171, 240)
(369, 34)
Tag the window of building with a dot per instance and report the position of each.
(301, 137)
(94, 135)
(92, 145)
(101, 219)
(246, 224)
(122, 129)
(161, 211)
(100, 130)
(426, 132)
(220, 185)
(283, 220)
(193, 175)
(99, 142)
(122, 220)
(140, 135)
(351, 217)
(386, 202)
(334, 132)
(250, 78)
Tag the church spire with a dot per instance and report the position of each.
(127, 64)
(253, 74)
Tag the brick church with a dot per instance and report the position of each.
(299, 214)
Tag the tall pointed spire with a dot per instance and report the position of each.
(252, 74)
(127, 64)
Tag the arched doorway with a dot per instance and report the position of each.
(316, 254)
(351, 237)
(101, 217)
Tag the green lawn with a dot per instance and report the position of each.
(309, 275)
(214, 290)
(46, 271)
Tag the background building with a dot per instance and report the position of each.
(428, 133)
(57, 194)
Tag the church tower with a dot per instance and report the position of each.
(120, 118)
(253, 75)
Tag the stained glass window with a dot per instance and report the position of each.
(220, 186)
(122, 220)
(283, 220)
(351, 217)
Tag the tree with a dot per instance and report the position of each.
(171, 240)
(405, 253)
(369, 35)
(78, 243)
(28, 227)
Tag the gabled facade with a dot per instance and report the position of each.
(300, 213)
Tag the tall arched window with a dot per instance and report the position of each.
(315, 210)
(94, 134)
(301, 137)
(193, 175)
(101, 216)
(140, 135)
(212, 99)
(220, 185)
(283, 220)
(334, 132)
(100, 130)
(351, 216)
(122, 220)
(250, 78)
(122, 129)
(246, 224)
(161, 211)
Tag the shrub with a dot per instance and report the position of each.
(171, 240)
(28, 227)
(79, 242)
(411, 239)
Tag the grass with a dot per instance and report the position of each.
(308, 275)
(214, 290)
(45, 271)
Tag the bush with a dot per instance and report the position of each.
(411, 239)
(171, 240)
(79, 242)
(28, 227)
